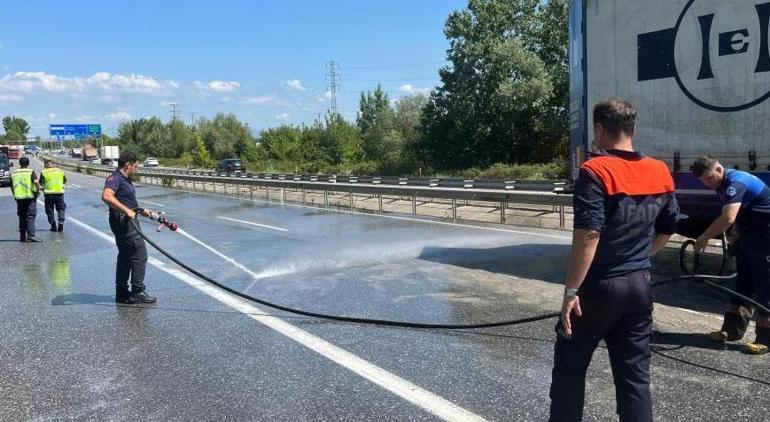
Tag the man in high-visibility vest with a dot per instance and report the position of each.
(52, 180)
(25, 190)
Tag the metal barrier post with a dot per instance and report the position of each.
(414, 204)
(454, 208)
(326, 198)
(350, 195)
(562, 217)
(283, 195)
(379, 199)
(503, 205)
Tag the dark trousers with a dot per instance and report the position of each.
(55, 201)
(132, 254)
(619, 311)
(26, 209)
(752, 258)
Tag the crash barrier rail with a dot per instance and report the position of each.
(500, 193)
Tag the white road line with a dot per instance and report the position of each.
(408, 391)
(151, 203)
(394, 217)
(74, 185)
(251, 223)
(219, 254)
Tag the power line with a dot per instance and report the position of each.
(333, 76)
(174, 110)
(394, 66)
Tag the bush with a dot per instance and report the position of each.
(167, 182)
(554, 170)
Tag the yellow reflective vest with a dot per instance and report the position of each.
(21, 180)
(53, 180)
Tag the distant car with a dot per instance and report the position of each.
(5, 171)
(113, 164)
(95, 160)
(231, 165)
(151, 162)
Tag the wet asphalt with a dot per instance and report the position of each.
(70, 353)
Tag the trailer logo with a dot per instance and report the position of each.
(711, 51)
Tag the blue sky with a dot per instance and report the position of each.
(265, 61)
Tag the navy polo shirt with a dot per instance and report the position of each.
(628, 198)
(124, 189)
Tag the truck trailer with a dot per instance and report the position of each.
(698, 73)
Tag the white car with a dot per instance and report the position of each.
(95, 160)
(151, 162)
(113, 164)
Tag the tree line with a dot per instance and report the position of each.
(500, 111)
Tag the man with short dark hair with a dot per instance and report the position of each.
(625, 212)
(120, 195)
(52, 180)
(745, 207)
(25, 190)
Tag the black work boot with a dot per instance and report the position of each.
(23, 237)
(53, 227)
(141, 297)
(61, 226)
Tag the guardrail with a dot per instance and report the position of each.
(500, 193)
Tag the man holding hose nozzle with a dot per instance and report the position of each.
(746, 205)
(120, 195)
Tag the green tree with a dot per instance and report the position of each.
(225, 136)
(200, 155)
(16, 128)
(497, 91)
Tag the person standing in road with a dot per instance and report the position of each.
(625, 212)
(120, 195)
(52, 179)
(746, 205)
(25, 190)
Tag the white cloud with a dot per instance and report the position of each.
(328, 95)
(10, 98)
(295, 84)
(118, 116)
(264, 99)
(409, 89)
(223, 86)
(85, 118)
(103, 82)
(282, 116)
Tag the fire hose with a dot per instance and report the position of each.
(162, 219)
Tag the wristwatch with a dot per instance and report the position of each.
(570, 293)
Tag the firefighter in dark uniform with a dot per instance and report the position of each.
(625, 212)
(52, 180)
(120, 195)
(25, 190)
(745, 206)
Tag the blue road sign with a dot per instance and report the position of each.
(77, 132)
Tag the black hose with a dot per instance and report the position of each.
(695, 277)
(706, 279)
(338, 317)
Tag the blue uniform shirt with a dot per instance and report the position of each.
(124, 189)
(751, 193)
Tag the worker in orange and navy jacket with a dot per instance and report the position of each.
(625, 212)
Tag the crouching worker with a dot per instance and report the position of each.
(746, 205)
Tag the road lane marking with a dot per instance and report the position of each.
(394, 217)
(251, 223)
(219, 254)
(151, 203)
(432, 403)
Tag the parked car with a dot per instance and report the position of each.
(5, 170)
(95, 160)
(230, 165)
(151, 162)
(113, 164)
